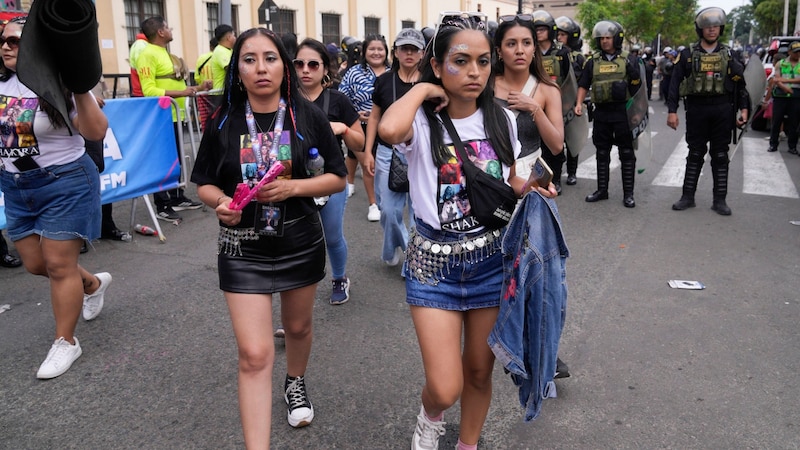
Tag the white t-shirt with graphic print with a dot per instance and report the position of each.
(26, 130)
(439, 194)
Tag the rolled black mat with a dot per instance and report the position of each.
(59, 39)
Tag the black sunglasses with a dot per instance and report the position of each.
(312, 64)
(12, 41)
(521, 17)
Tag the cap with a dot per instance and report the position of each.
(795, 47)
(222, 30)
(410, 36)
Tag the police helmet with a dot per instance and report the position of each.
(569, 26)
(428, 33)
(667, 49)
(648, 50)
(636, 48)
(680, 48)
(709, 17)
(491, 28)
(608, 28)
(542, 18)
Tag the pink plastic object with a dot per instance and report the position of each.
(244, 195)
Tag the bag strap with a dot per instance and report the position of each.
(451, 130)
(204, 63)
(326, 101)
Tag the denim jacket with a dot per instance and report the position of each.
(534, 301)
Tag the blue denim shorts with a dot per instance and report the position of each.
(57, 202)
(464, 281)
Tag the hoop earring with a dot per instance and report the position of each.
(240, 85)
(326, 80)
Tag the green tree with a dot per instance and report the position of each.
(769, 16)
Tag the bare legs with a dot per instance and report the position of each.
(449, 374)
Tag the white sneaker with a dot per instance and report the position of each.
(93, 303)
(426, 435)
(351, 189)
(374, 213)
(398, 253)
(59, 359)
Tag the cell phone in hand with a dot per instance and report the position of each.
(541, 173)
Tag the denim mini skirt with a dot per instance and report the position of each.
(453, 271)
(56, 202)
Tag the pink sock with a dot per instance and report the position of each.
(434, 419)
(463, 446)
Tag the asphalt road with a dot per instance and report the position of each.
(652, 367)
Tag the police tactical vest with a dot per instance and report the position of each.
(552, 65)
(785, 70)
(608, 78)
(708, 72)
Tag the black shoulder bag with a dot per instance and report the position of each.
(492, 201)
(398, 170)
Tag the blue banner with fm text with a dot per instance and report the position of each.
(139, 149)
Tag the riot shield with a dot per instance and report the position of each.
(756, 80)
(639, 124)
(569, 95)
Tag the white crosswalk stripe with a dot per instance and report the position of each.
(764, 173)
(588, 168)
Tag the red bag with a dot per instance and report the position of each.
(768, 110)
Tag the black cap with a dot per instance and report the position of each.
(222, 30)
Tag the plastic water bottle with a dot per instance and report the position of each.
(316, 163)
(316, 166)
(145, 230)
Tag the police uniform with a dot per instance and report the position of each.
(613, 80)
(713, 88)
(573, 44)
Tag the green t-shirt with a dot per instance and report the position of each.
(155, 71)
(219, 65)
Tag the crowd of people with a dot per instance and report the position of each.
(295, 122)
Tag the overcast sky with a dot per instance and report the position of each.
(727, 5)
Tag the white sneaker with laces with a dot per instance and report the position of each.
(351, 189)
(374, 214)
(93, 303)
(426, 435)
(59, 359)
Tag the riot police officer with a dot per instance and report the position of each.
(613, 80)
(710, 78)
(556, 61)
(568, 34)
(649, 67)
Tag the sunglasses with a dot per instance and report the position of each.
(313, 64)
(520, 17)
(470, 20)
(12, 41)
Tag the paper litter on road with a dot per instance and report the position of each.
(686, 284)
(4, 308)
(794, 222)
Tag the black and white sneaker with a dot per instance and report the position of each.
(562, 370)
(168, 214)
(301, 413)
(183, 203)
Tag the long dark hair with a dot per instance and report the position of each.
(536, 68)
(364, 45)
(298, 108)
(495, 121)
(56, 119)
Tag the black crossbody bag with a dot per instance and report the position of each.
(492, 201)
(398, 170)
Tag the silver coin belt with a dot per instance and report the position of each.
(230, 240)
(429, 260)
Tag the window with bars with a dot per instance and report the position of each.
(212, 21)
(408, 24)
(331, 27)
(372, 25)
(136, 11)
(283, 21)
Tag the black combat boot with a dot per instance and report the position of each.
(602, 184)
(572, 168)
(720, 172)
(628, 174)
(689, 186)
